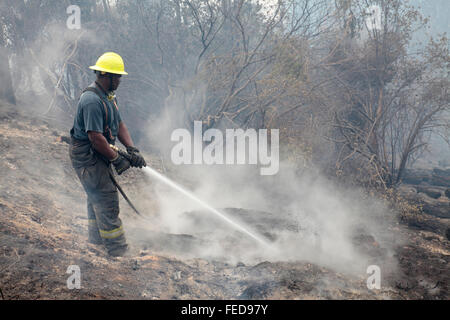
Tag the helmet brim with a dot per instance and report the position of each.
(96, 68)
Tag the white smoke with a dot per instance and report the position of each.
(308, 217)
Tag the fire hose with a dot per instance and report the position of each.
(191, 196)
(128, 157)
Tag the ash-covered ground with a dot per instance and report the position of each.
(43, 230)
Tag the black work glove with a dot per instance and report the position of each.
(136, 159)
(121, 164)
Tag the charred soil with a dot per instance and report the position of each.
(43, 230)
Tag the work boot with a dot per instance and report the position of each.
(121, 251)
(98, 251)
(96, 241)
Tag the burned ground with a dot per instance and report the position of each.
(43, 230)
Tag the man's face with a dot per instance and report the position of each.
(116, 81)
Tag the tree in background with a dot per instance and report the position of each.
(391, 98)
(6, 86)
(345, 96)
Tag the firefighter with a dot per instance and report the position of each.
(98, 124)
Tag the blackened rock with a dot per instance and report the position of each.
(432, 193)
(258, 291)
(447, 193)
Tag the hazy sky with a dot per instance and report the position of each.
(438, 11)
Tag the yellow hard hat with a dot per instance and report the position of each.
(110, 62)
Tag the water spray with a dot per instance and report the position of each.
(155, 174)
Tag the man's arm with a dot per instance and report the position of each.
(124, 135)
(100, 144)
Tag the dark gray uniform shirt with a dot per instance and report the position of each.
(91, 115)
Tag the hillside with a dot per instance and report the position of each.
(43, 230)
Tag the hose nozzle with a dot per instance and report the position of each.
(121, 152)
(114, 148)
